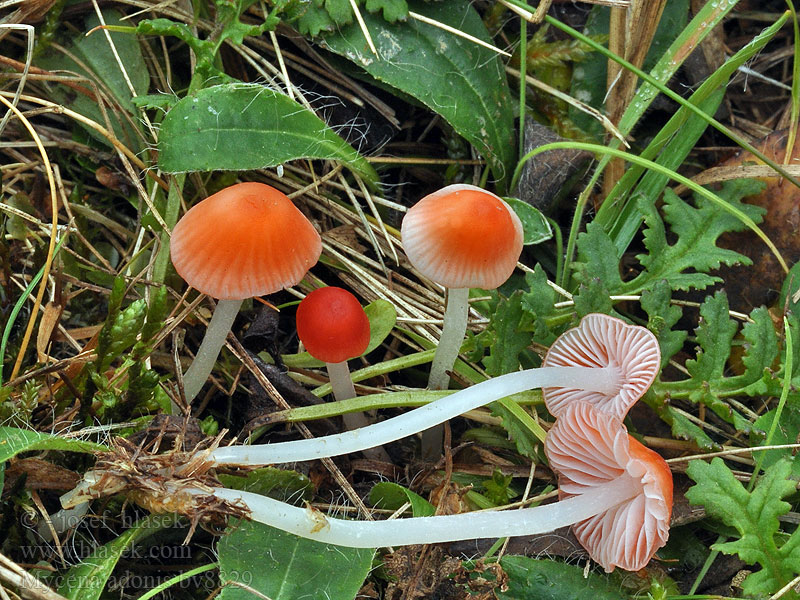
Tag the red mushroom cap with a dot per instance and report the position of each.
(332, 325)
(462, 237)
(602, 341)
(587, 448)
(246, 240)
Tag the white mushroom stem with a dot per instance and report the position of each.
(312, 524)
(218, 328)
(605, 380)
(453, 330)
(342, 385)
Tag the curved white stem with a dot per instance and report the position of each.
(604, 380)
(312, 524)
(453, 330)
(218, 328)
(342, 385)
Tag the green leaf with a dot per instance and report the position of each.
(281, 484)
(454, 77)
(313, 20)
(281, 566)
(382, 318)
(240, 126)
(14, 440)
(539, 303)
(593, 297)
(391, 496)
(544, 579)
(340, 11)
(662, 316)
(94, 53)
(521, 427)
(535, 226)
(87, 580)
(754, 515)
(684, 429)
(715, 335)
(393, 10)
(510, 335)
(685, 263)
(597, 258)
(786, 432)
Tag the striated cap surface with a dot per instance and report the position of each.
(463, 236)
(246, 240)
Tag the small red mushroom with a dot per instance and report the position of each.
(334, 328)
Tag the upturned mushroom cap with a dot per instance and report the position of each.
(332, 325)
(603, 341)
(587, 448)
(463, 236)
(246, 240)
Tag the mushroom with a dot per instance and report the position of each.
(246, 240)
(460, 237)
(604, 341)
(334, 328)
(616, 494)
(606, 377)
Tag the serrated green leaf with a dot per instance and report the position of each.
(754, 515)
(517, 423)
(662, 316)
(539, 303)
(282, 566)
(241, 126)
(393, 10)
(684, 429)
(715, 335)
(510, 335)
(597, 258)
(339, 11)
(685, 263)
(313, 20)
(391, 496)
(456, 78)
(592, 297)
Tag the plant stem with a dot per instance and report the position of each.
(310, 524)
(218, 328)
(604, 380)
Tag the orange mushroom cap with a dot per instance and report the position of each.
(246, 240)
(462, 237)
(587, 448)
(601, 341)
(332, 325)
